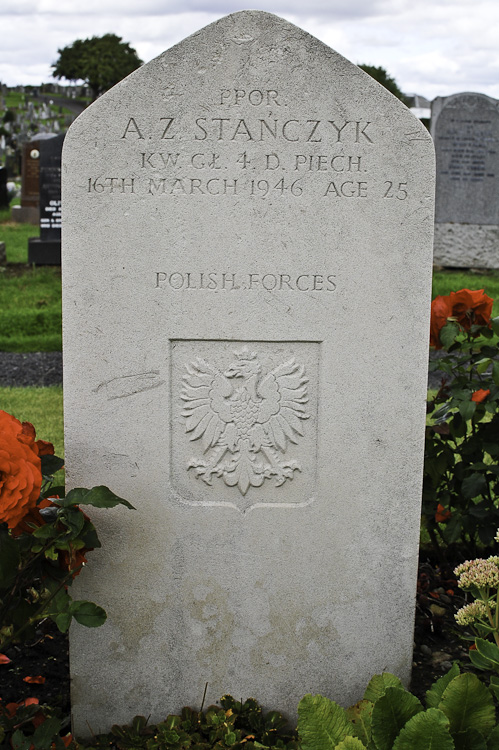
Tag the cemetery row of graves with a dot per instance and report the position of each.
(246, 332)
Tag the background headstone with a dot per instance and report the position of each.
(247, 251)
(4, 193)
(46, 249)
(29, 211)
(465, 128)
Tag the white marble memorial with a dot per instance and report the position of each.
(247, 250)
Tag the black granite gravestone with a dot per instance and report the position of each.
(46, 249)
(4, 193)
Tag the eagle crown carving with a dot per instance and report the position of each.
(244, 420)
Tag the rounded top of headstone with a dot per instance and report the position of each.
(245, 45)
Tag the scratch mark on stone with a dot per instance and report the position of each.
(129, 385)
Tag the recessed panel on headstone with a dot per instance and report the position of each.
(465, 129)
(247, 250)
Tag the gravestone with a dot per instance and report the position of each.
(247, 251)
(465, 128)
(46, 249)
(4, 193)
(29, 210)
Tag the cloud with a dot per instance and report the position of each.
(432, 47)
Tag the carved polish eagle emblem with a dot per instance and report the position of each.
(244, 420)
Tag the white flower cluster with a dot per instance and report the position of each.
(479, 573)
(474, 611)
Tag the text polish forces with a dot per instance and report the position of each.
(215, 281)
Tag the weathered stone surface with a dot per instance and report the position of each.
(247, 245)
(466, 245)
(465, 128)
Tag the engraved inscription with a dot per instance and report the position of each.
(217, 281)
(250, 145)
(244, 420)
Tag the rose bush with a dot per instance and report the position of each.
(44, 539)
(461, 476)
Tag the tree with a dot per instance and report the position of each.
(381, 75)
(99, 61)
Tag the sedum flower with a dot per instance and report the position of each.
(479, 573)
(474, 611)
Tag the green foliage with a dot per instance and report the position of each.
(29, 726)
(41, 556)
(99, 61)
(381, 75)
(461, 474)
(234, 724)
(460, 715)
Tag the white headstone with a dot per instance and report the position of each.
(247, 248)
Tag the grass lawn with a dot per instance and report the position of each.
(30, 309)
(16, 238)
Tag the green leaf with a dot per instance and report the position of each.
(468, 704)
(390, 713)
(479, 661)
(351, 743)
(322, 724)
(495, 325)
(73, 519)
(62, 620)
(428, 730)
(9, 559)
(19, 741)
(378, 684)
(488, 650)
(448, 334)
(45, 734)
(51, 464)
(361, 717)
(482, 364)
(467, 409)
(88, 614)
(434, 694)
(494, 687)
(473, 485)
(493, 739)
(495, 372)
(472, 739)
(100, 497)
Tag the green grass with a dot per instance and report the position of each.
(30, 310)
(445, 282)
(16, 238)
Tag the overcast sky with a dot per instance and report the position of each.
(431, 47)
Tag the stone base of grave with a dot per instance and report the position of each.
(25, 214)
(44, 252)
(466, 245)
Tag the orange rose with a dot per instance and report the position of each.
(20, 469)
(466, 307)
(471, 308)
(480, 395)
(441, 309)
(442, 515)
